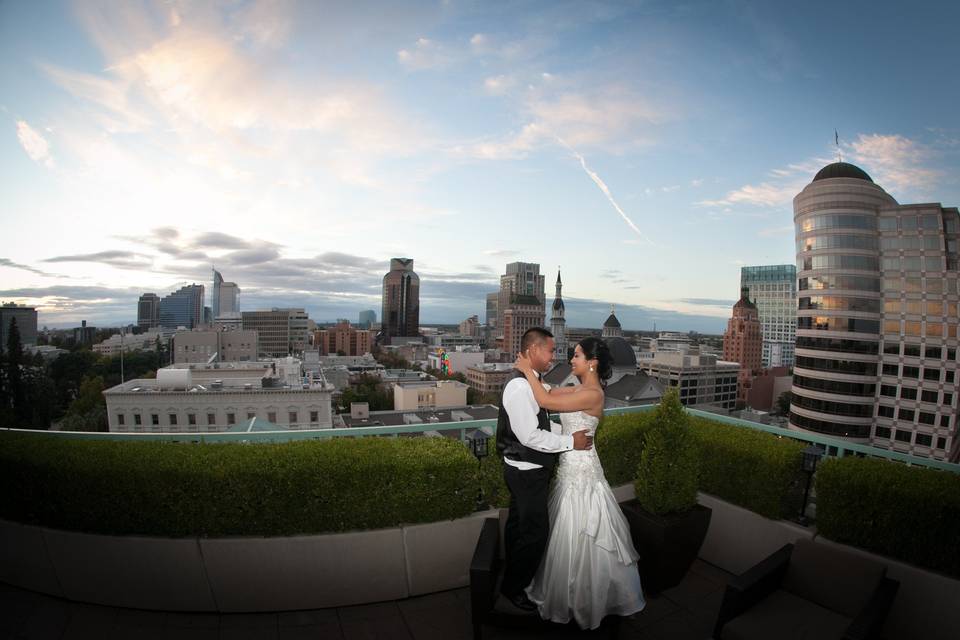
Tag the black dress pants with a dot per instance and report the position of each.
(527, 528)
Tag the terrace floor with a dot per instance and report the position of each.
(685, 612)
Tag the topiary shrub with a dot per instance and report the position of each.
(668, 472)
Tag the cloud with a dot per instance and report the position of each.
(896, 163)
(426, 54)
(34, 144)
(121, 259)
(708, 302)
(764, 194)
(219, 240)
(501, 253)
(499, 85)
(6, 262)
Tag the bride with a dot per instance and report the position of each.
(589, 569)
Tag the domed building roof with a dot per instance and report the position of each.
(842, 170)
(622, 352)
(612, 321)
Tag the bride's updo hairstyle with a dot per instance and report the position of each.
(597, 349)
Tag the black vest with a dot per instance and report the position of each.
(509, 446)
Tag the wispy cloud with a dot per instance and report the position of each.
(120, 259)
(426, 54)
(34, 144)
(6, 262)
(897, 163)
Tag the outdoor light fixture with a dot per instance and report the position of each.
(811, 457)
(478, 446)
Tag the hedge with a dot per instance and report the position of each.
(175, 490)
(892, 509)
(753, 469)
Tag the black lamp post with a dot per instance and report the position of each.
(478, 446)
(811, 457)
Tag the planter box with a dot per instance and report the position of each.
(24, 560)
(130, 571)
(438, 554)
(305, 572)
(667, 545)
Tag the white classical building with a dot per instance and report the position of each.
(116, 343)
(216, 397)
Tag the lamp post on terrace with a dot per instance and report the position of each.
(478, 446)
(811, 457)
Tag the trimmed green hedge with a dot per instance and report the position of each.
(891, 509)
(753, 469)
(303, 487)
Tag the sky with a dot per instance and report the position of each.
(646, 149)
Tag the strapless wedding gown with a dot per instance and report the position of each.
(589, 569)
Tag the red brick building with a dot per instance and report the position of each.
(743, 343)
(344, 340)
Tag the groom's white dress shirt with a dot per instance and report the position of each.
(522, 409)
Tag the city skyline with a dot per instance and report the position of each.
(649, 150)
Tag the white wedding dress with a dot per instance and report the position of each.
(589, 569)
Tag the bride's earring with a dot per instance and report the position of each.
(591, 369)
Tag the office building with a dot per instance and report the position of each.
(400, 314)
(470, 327)
(743, 342)
(558, 325)
(26, 318)
(773, 288)
(182, 308)
(280, 332)
(127, 342)
(411, 396)
(84, 335)
(876, 348)
(700, 379)
(225, 299)
(492, 312)
(489, 378)
(344, 340)
(367, 319)
(148, 311)
(520, 305)
(215, 346)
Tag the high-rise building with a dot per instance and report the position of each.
(492, 312)
(520, 304)
(773, 289)
(743, 342)
(224, 300)
(26, 324)
(182, 308)
(470, 327)
(280, 332)
(558, 325)
(344, 340)
(400, 315)
(367, 319)
(148, 311)
(876, 349)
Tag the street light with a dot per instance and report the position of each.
(811, 457)
(478, 446)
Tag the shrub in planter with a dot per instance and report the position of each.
(667, 524)
(619, 443)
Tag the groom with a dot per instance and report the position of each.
(529, 446)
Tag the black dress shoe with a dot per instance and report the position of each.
(522, 602)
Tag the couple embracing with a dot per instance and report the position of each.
(568, 548)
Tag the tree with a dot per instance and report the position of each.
(16, 393)
(783, 403)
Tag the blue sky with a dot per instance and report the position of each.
(649, 149)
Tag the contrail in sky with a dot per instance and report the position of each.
(603, 187)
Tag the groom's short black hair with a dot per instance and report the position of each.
(532, 336)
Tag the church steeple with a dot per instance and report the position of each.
(558, 325)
